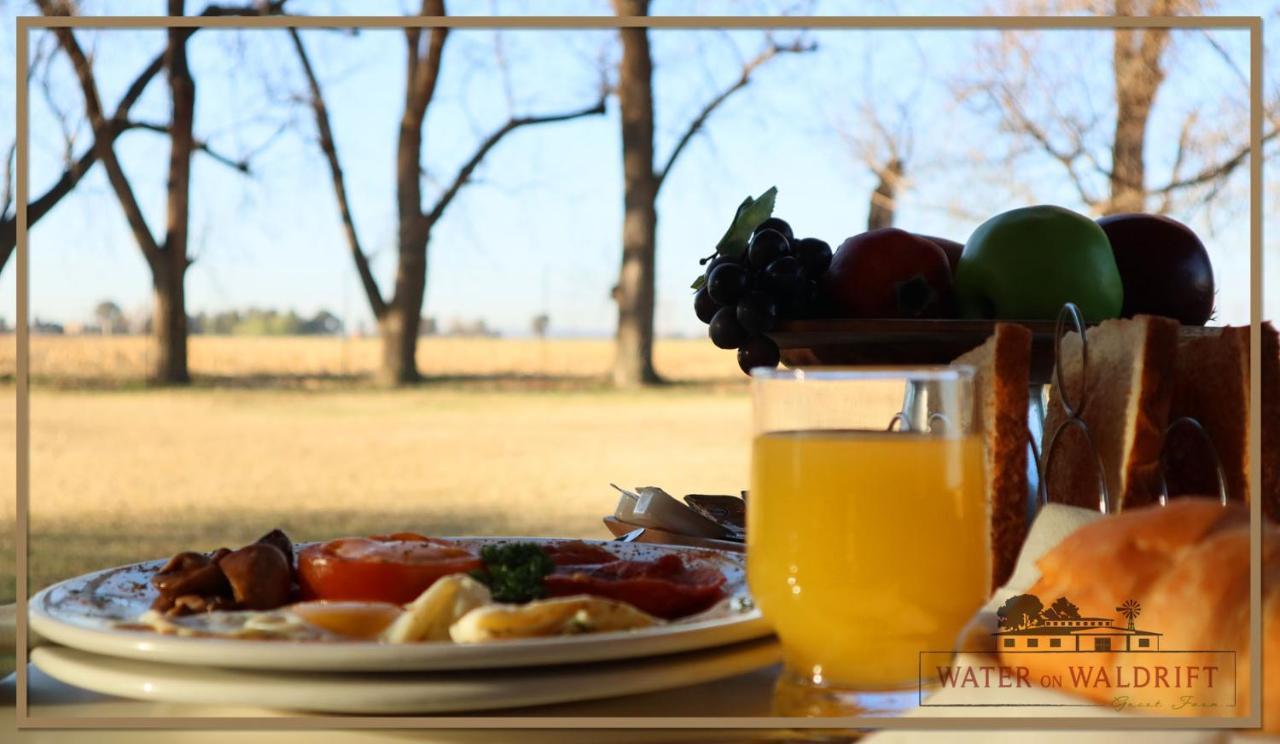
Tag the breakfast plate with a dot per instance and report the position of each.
(421, 692)
(97, 613)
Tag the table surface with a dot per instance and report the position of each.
(746, 695)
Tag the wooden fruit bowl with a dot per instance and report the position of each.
(833, 343)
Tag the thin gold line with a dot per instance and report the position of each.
(1255, 371)
(23, 393)
(1141, 722)
(24, 721)
(607, 22)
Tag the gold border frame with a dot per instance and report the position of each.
(1253, 24)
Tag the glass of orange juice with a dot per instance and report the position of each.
(867, 528)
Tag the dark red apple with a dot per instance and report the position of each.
(889, 273)
(949, 247)
(1163, 266)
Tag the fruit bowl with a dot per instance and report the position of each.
(829, 343)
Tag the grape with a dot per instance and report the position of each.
(784, 278)
(725, 331)
(757, 312)
(814, 256)
(760, 351)
(766, 247)
(719, 260)
(704, 306)
(727, 283)
(775, 223)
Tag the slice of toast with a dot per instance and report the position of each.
(1001, 386)
(1129, 388)
(1211, 385)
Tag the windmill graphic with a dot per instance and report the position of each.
(1130, 609)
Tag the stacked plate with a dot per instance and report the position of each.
(85, 615)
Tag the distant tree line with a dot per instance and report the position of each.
(265, 322)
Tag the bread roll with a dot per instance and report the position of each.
(1187, 564)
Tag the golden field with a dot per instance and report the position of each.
(508, 437)
(123, 359)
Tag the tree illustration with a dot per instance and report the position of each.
(1020, 612)
(1130, 609)
(1061, 609)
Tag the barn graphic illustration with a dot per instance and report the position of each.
(1026, 624)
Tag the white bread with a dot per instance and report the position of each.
(1129, 389)
(1001, 385)
(1187, 564)
(1211, 385)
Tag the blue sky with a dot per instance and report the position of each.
(539, 230)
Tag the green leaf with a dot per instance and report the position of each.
(751, 212)
(697, 283)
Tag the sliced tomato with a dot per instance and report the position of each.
(382, 568)
(665, 587)
(578, 553)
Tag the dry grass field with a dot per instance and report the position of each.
(508, 437)
(122, 360)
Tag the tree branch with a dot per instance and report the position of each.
(70, 178)
(773, 50)
(376, 303)
(240, 164)
(464, 173)
(102, 142)
(1214, 172)
(1009, 102)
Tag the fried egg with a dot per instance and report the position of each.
(275, 625)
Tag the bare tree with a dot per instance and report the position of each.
(1108, 166)
(167, 257)
(117, 124)
(642, 180)
(399, 315)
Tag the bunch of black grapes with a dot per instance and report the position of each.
(744, 297)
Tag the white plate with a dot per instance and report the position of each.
(440, 692)
(82, 613)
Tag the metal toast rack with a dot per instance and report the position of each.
(1073, 406)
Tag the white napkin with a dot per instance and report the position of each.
(1054, 523)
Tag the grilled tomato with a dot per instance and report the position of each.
(382, 568)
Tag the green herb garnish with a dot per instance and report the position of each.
(514, 571)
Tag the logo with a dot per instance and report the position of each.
(1026, 624)
(1057, 655)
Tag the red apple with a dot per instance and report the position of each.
(949, 247)
(889, 273)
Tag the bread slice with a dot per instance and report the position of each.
(1211, 385)
(1001, 387)
(1128, 391)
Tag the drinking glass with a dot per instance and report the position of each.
(867, 528)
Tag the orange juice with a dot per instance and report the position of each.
(866, 548)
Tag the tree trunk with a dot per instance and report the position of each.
(1138, 75)
(169, 328)
(633, 363)
(399, 325)
(169, 268)
(883, 199)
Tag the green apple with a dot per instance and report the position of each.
(1026, 263)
